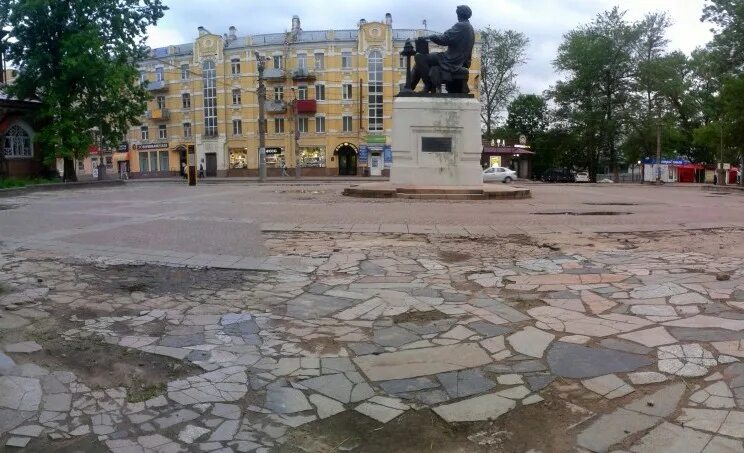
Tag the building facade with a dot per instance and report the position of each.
(328, 108)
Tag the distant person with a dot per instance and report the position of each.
(201, 169)
(284, 169)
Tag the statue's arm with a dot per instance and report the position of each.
(446, 38)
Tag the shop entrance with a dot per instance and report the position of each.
(347, 161)
(211, 164)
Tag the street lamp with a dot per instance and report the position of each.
(261, 63)
(98, 138)
(298, 166)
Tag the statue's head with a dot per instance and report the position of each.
(464, 12)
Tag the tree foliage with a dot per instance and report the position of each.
(527, 115)
(502, 53)
(79, 59)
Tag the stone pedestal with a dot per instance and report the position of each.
(436, 141)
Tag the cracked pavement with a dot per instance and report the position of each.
(555, 341)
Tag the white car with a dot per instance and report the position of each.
(582, 176)
(499, 174)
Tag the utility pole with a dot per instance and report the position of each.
(721, 173)
(658, 153)
(298, 160)
(261, 63)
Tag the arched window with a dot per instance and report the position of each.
(17, 143)
(209, 77)
(374, 90)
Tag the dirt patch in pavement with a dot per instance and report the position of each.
(419, 317)
(162, 279)
(413, 431)
(102, 365)
(449, 256)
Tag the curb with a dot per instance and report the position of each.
(59, 186)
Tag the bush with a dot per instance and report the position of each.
(9, 183)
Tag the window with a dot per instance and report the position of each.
(187, 129)
(278, 125)
(184, 72)
(236, 96)
(161, 102)
(144, 162)
(237, 127)
(319, 124)
(153, 161)
(278, 94)
(319, 61)
(302, 124)
(345, 60)
(320, 92)
(209, 78)
(109, 162)
(81, 165)
(17, 143)
(301, 61)
(164, 162)
(346, 91)
(162, 131)
(278, 61)
(348, 123)
(186, 100)
(301, 93)
(144, 133)
(235, 66)
(374, 101)
(159, 75)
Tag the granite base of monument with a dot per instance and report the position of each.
(436, 141)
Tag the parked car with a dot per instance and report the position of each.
(499, 174)
(557, 175)
(582, 176)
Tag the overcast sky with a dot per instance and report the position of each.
(543, 21)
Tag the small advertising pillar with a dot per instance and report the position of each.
(191, 163)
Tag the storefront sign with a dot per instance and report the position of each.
(388, 152)
(149, 146)
(436, 144)
(123, 147)
(275, 150)
(363, 154)
(379, 139)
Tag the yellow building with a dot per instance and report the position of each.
(330, 90)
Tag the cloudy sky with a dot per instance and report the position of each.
(543, 21)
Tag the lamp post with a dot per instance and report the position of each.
(296, 135)
(408, 52)
(98, 141)
(261, 63)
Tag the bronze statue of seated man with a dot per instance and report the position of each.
(450, 67)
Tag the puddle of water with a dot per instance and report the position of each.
(599, 213)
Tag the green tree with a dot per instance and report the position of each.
(79, 58)
(527, 115)
(599, 60)
(728, 18)
(502, 53)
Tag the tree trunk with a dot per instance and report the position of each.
(69, 174)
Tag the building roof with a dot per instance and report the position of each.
(276, 39)
(6, 98)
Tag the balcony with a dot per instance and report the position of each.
(275, 106)
(157, 85)
(158, 114)
(302, 74)
(274, 74)
(307, 106)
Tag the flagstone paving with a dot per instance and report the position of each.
(379, 326)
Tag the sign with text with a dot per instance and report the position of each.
(436, 144)
(149, 146)
(363, 154)
(388, 156)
